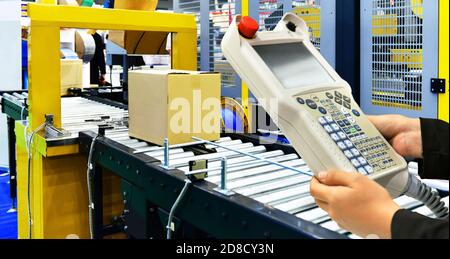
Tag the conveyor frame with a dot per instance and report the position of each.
(147, 188)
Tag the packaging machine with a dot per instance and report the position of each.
(57, 195)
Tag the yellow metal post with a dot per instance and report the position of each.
(244, 87)
(443, 109)
(44, 74)
(184, 56)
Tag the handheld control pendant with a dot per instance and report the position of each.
(316, 110)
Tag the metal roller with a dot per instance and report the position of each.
(271, 186)
(128, 141)
(177, 156)
(251, 165)
(294, 192)
(235, 146)
(138, 145)
(297, 205)
(261, 178)
(226, 143)
(239, 160)
(184, 162)
(160, 153)
(316, 215)
(239, 174)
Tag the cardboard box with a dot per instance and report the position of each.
(144, 5)
(174, 104)
(71, 74)
(139, 42)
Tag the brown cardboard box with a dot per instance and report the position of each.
(145, 5)
(71, 74)
(174, 104)
(138, 42)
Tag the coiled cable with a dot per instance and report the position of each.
(429, 197)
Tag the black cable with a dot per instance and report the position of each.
(29, 143)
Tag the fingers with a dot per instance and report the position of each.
(336, 178)
(320, 191)
(382, 123)
(323, 205)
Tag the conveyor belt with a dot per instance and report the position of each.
(269, 184)
(78, 113)
(81, 114)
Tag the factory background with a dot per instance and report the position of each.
(393, 53)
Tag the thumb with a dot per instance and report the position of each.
(336, 178)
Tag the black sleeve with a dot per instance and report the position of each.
(410, 225)
(434, 164)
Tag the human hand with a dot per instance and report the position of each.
(355, 202)
(403, 133)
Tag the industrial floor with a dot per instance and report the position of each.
(8, 221)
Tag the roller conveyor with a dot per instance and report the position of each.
(276, 187)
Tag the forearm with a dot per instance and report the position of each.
(435, 149)
(409, 225)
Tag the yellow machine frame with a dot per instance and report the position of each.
(443, 101)
(244, 87)
(58, 185)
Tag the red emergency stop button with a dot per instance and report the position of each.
(248, 27)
